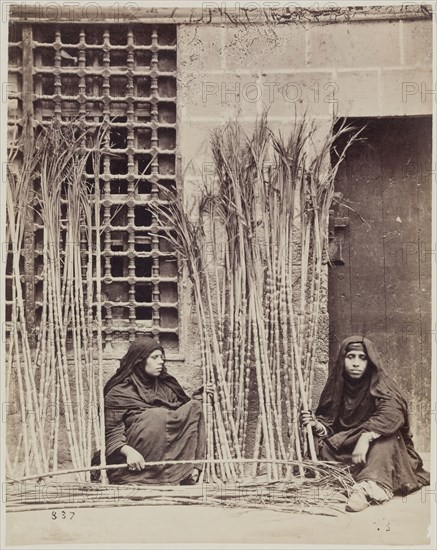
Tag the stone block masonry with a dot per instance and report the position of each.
(372, 68)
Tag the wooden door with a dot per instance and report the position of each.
(380, 280)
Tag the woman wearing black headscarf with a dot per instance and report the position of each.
(362, 420)
(149, 417)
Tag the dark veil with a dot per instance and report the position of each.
(381, 386)
(133, 362)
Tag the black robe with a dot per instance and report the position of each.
(372, 404)
(154, 416)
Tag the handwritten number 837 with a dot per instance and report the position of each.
(62, 515)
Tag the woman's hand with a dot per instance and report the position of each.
(361, 449)
(208, 390)
(134, 459)
(306, 417)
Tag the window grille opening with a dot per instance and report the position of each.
(117, 292)
(166, 86)
(44, 57)
(118, 266)
(167, 113)
(15, 34)
(167, 61)
(94, 112)
(144, 137)
(142, 86)
(118, 59)
(69, 57)
(169, 341)
(143, 293)
(118, 165)
(70, 35)
(44, 34)
(142, 35)
(118, 187)
(167, 138)
(143, 58)
(45, 84)
(166, 35)
(8, 311)
(94, 35)
(142, 113)
(119, 215)
(143, 217)
(143, 242)
(169, 317)
(144, 187)
(118, 138)
(118, 36)
(164, 245)
(118, 85)
(168, 292)
(169, 184)
(144, 313)
(144, 163)
(70, 85)
(70, 109)
(8, 293)
(168, 267)
(143, 267)
(166, 164)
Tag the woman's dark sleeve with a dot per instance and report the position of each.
(114, 430)
(388, 417)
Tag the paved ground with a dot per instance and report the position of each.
(399, 522)
(403, 522)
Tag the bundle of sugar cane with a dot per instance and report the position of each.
(60, 371)
(240, 164)
(307, 177)
(258, 304)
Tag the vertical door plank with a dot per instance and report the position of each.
(422, 411)
(365, 237)
(401, 273)
(339, 298)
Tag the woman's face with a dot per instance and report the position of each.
(355, 364)
(154, 363)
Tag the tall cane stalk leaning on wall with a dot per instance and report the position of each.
(21, 167)
(186, 237)
(57, 377)
(258, 304)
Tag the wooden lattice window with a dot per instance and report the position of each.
(125, 76)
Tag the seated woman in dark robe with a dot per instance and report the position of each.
(362, 420)
(149, 417)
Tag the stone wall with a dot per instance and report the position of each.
(375, 67)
